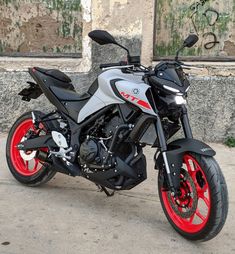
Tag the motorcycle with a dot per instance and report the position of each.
(100, 135)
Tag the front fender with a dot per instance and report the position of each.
(190, 145)
(175, 152)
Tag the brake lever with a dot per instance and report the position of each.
(189, 67)
(117, 67)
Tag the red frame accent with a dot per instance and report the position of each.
(187, 225)
(21, 166)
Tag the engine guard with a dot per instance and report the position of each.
(175, 152)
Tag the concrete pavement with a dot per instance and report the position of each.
(69, 216)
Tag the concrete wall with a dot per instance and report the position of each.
(211, 98)
(212, 107)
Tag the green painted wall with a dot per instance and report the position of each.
(40, 27)
(212, 20)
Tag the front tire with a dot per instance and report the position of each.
(28, 172)
(199, 213)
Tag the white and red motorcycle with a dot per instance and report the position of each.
(100, 135)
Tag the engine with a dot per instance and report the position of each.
(94, 150)
(108, 158)
(94, 154)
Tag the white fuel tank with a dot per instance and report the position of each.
(129, 85)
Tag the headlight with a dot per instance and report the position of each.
(179, 100)
(171, 89)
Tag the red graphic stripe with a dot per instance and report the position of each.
(144, 104)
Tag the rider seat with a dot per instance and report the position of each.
(68, 95)
(54, 74)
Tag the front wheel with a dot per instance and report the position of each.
(200, 210)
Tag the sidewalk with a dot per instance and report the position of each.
(69, 216)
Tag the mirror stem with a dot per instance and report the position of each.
(128, 53)
(177, 53)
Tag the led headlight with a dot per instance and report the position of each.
(179, 100)
(171, 89)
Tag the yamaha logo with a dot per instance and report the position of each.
(206, 149)
(135, 91)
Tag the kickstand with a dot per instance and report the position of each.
(102, 188)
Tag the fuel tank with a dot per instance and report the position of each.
(117, 87)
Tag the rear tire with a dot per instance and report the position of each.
(210, 188)
(40, 172)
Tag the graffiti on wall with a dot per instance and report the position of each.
(212, 20)
(45, 27)
(211, 16)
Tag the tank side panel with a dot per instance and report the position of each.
(136, 94)
(103, 96)
(94, 104)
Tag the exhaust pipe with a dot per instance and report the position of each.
(42, 156)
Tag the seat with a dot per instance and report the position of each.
(54, 74)
(68, 95)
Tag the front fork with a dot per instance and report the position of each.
(171, 169)
(185, 123)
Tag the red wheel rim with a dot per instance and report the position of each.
(199, 218)
(25, 168)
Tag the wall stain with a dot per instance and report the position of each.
(212, 21)
(40, 31)
(46, 26)
(229, 47)
(4, 23)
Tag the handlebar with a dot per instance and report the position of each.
(148, 71)
(121, 63)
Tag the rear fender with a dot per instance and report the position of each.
(175, 152)
(33, 91)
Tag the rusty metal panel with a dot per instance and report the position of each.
(212, 20)
(40, 28)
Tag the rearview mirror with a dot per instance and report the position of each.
(102, 37)
(190, 40)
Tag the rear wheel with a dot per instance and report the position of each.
(24, 165)
(200, 210)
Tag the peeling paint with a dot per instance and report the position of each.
(213, 21)
(32, 26)
(115, 16)
(229, 47)
(40, 31)
(86, 5)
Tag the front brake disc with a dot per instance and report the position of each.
(187, 211)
